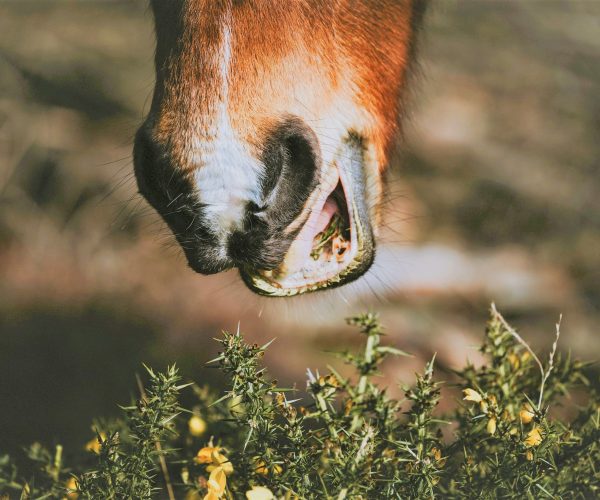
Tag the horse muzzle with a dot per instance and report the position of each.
(298, 225)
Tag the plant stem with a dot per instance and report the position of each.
(372, 340)
(161, 458)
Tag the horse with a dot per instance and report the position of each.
(270, 129)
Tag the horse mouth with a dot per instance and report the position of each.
(333, 242)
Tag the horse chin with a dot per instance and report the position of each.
(333, 241)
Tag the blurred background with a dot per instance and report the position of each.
(495, 196)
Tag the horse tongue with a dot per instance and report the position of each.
(299, 253)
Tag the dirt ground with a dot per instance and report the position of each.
(494, 196)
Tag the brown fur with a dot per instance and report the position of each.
(258, 106)
(309, 58)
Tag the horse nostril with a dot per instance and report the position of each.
(292, 158)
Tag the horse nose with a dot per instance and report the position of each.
(291, 157)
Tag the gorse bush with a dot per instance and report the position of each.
(347, 439)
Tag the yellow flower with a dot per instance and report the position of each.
(196, 426)
(534, 437)
(71, 486)
(348, 406)
(491, 426)
(217, 482)
(484, 406)
(280, 399)
(211, 455)
(529, 455)
(514, 360)
(204, 455)
(472, 395)
(259, 493)
(220, 461)
(261, 468)
(94, 445)
(526, 414)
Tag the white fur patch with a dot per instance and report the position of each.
(228, 176)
